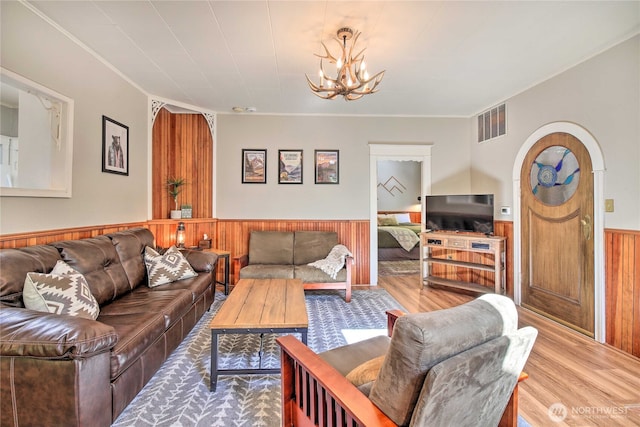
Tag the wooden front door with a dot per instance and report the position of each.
(556, 185)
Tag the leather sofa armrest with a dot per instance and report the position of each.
(201, 261)
(31, 333)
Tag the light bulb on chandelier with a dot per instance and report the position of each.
(352, 80)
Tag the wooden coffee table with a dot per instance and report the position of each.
(259, 306)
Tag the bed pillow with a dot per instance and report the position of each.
(403, 218)
(387, 220)
(63, 291)
(168, 267)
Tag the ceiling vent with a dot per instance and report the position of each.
(492, 123)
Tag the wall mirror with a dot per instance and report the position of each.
(36, 139)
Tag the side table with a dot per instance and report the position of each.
(222, 254)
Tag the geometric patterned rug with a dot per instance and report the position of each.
(178, 394)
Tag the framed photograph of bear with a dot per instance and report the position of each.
(115, 147)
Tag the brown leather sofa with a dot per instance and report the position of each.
(70, 371)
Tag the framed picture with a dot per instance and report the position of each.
(290, 167)
(254, 166)
(115, 147)
(327, 166)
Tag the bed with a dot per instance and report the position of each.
(398, 236)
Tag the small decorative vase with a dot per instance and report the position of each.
(176, 214)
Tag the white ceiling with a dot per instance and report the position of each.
(442, 58)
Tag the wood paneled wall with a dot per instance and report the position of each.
(505, 229)
(20, 240)
(165, 231)
(233, 236)
(622, 278)
(622, 255)
(414, 216)
(183, 148)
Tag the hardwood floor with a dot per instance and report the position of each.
(598, 385)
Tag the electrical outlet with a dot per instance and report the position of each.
(608, 205)
(505, 210)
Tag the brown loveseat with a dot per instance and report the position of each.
(286, 255)
(61, 370)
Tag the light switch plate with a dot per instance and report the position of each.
(505, 210)
(608, 205)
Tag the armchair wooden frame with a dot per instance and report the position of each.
(316, 394)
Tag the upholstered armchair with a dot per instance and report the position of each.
(458, 366)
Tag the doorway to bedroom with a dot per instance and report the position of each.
(399, 174)
(399, 213)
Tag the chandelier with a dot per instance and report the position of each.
(352, 80)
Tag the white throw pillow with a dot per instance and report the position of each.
(63, 291)
(168, 267)
(403, 218)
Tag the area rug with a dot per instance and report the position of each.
(178, 394)
(395, 268)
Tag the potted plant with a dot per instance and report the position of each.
(173, 185)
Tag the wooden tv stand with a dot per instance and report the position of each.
(467, 243)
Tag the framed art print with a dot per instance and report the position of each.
(254, 166)
(327, 166)
(290, 167)
(115, 147)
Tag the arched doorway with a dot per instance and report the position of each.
(520, 267)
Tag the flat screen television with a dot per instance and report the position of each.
(460, 212)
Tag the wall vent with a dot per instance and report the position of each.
(492, 123)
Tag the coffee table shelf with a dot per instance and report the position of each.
(259, 306)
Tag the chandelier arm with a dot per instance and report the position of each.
(359, 57)
(377, 78)
(318, 90)
(353, 43)
(324, 97)
(327, 54)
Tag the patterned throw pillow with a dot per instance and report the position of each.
(63, 291)
(168, 267)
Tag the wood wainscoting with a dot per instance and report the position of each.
(622, 256)
(233, 236)
(19, 240)
(622, 295)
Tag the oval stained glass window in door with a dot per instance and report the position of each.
(555, 174)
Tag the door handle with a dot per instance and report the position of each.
(586, 227)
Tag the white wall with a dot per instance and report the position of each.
(34, 49)
(399, 185)
(351, 135)
(602, 95)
